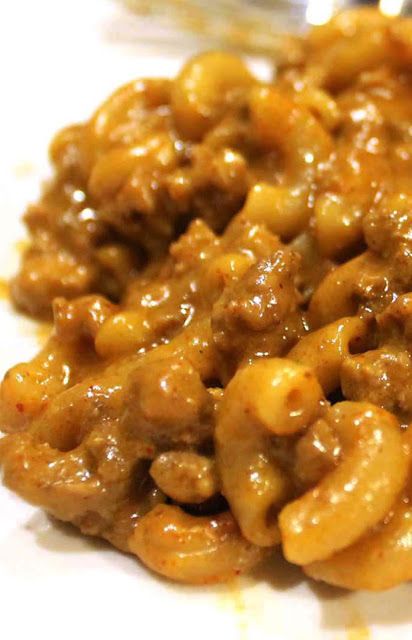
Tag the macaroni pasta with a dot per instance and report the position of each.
(228, 264)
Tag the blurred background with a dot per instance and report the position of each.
(60, 59)
(248, 25)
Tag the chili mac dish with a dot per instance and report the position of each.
(228, 264)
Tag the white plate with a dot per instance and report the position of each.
(59, 59)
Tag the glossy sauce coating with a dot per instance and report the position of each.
(228, 265)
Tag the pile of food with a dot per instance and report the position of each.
(229, 268)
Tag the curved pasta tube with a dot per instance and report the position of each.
(27, 388)
(346, 60)
(346, 24)
(269, 397)
(280, 123)
(128, 103)
(338, 295)
(66, 410)
(118, 121)
(124, 332)
(338, 224)
(357, 494)
(282, 209)
(344, 47)
(380, 560)
(226, 268)
(195, 344)
(203, 88)
(82, 486)
(116, 166)
(325, 350)
(112, 169)
(73, 413)
(61, 483)
(195, 550)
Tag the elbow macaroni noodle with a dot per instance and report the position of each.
(229, 268)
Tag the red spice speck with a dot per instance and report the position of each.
(20, 407)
